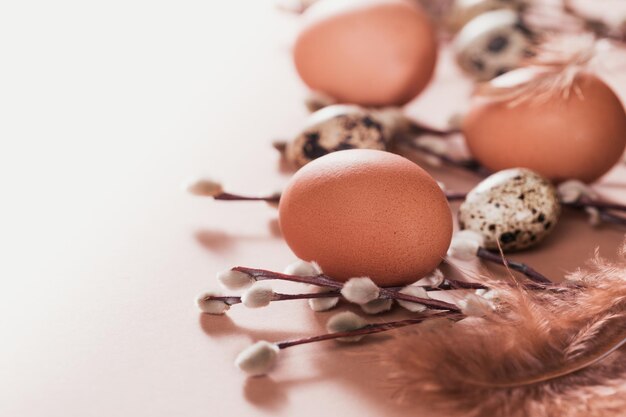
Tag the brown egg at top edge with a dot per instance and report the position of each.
(581, 136)
(368, 52)
(367, 213)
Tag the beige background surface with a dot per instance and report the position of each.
(106, 108)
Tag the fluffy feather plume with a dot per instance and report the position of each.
(551, 72)
(549, 353)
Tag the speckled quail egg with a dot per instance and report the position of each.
(334, 128)
(516, 208)
(492, 44)
(463, 11)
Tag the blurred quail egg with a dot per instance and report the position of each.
(334, 128)
(492, 44)
(516, 208)
(465, 10)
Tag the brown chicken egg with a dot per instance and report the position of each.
(365, 212)
(368, 52)
(578, 134)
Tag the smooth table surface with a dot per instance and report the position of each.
(106, 109)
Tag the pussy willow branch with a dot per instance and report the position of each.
(233, 299)
(446, 285)
(369, 329)
(326, 281)
(602, 205)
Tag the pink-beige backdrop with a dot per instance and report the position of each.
(106, 108)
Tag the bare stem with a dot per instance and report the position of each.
(600, 205)
(467, 165)
(419, 128)
(326, 281)
(274, 198)
(320, 280)
(369, 329)
(455, 196)
(386, 293)
(612, 218)
(514, 265)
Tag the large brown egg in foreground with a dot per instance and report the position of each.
(368, 52)
(578, 136)
(366, 213)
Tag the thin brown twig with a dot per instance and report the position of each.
(233, 299)
(529, 272)
(468, 165)
(274, 198)
(369, 329)
(601, 205)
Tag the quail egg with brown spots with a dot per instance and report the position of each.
(463, 11)
(334, 128)
(515, 208)
(493, 44)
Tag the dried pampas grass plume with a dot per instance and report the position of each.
(551, 353)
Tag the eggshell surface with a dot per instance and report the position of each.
(581, 136)
(513, 209)
(366, 213)
(368, 52)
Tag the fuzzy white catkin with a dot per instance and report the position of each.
(322, 304)
(415, 291)
(475, 306)
(465, 245)
(434, 279)
(258, 358)
(204, 187)
(573, 190)
(260, 294)
(360, 290)
(211, 306)
(303, 269)
(345, 322)
(234, 280)
(377, 306)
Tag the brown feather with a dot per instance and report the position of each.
(545, 354)
(556, 62)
